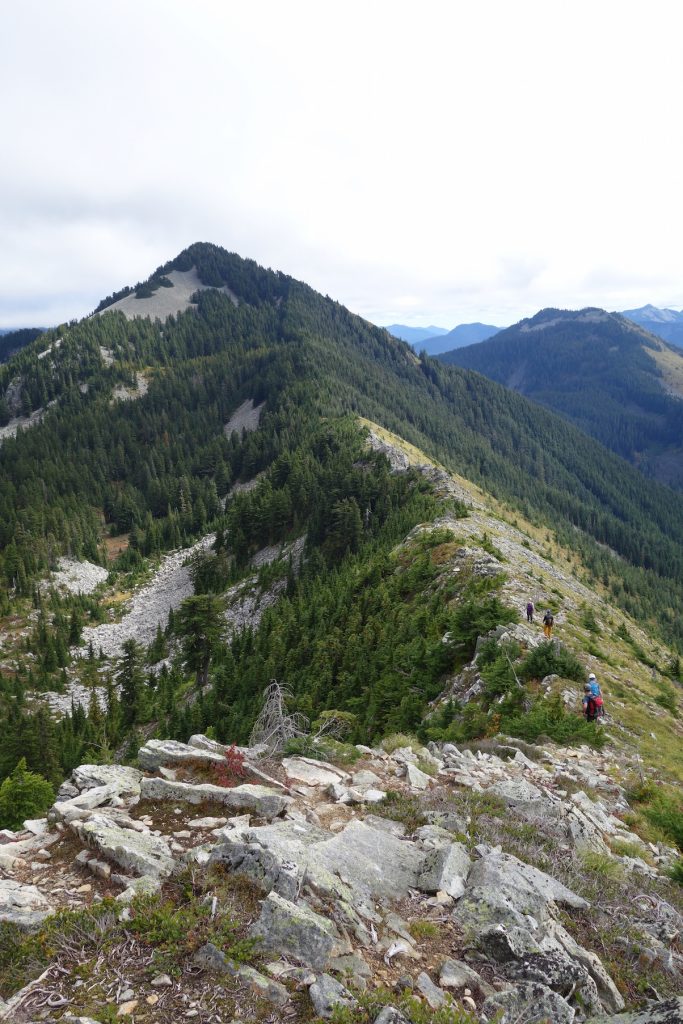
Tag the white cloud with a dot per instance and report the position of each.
(434, 165)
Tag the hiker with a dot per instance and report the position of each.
(548, 623)
(590, 704)
(595, 690)
(530, 611)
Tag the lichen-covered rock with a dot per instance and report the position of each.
(456, 974)
(669, 1011)
(259, 800)
(88, 800)
(248, 753)
(417, 779)
(559, 973)
(133, 851)
(125, 779)
(518, 791)
(520, 881)
(431, 992)
(314, 773)
(295, 931)
(445, 870)
(557, 937)
(483, 906)
(532, 1003)
(390, 1015)
(23, 905)
(326, 994)
(156, 753)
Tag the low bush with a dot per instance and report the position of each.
(550, 718)
(399, 739)
(402, 808)
(551, 659)
(370, 1004)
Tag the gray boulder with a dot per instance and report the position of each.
(502, 944)
(446, 870)
(314, 773)
(156, 753)
(260, 800)
(326, 994)
(482, 907)
(456, 974)
(293, 930)
(417, 779)
(87, 800)
(248, 753)
(372, 862)
(357, 865)
(431, 992)
(22, 905)
(519, 791)
(89, 776)
(213, 959)
(532, 1003)
(670, 1011)
(507, 873)
(559, 973)
(133, 851)
(390, 1015)
(557, 937)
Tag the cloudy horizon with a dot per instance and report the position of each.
(464, 163)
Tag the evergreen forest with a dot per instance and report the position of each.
(132, 459)
(600, 371)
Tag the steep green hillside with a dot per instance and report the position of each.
(128, 449)
(614, 380)
(157, 466)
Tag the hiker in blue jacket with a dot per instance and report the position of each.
(594, 687)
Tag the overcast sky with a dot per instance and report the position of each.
(432, 163)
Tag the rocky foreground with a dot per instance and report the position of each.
(390, 873)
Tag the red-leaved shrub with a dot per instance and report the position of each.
(231, 770)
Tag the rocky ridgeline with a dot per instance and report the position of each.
(344, 889)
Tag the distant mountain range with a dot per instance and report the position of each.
(415, 336)
(434, 340)
(665, 323)
(612, 378)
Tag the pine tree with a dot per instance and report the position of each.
(23, 794)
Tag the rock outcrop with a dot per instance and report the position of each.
(341, 889)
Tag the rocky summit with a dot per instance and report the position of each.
(384, 888)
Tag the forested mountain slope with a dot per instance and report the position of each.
(158, 467)
(134, 455)
(613, 379)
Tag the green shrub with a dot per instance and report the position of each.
(676, 872)
(370, 1004)
(662, 808)
(405, 809)
(23, 794)
(601, 864)
(666, 698)
(549, 718)
(424, 929)
(550, 659)
(399, 739)
(589, 621)
(476, 616)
